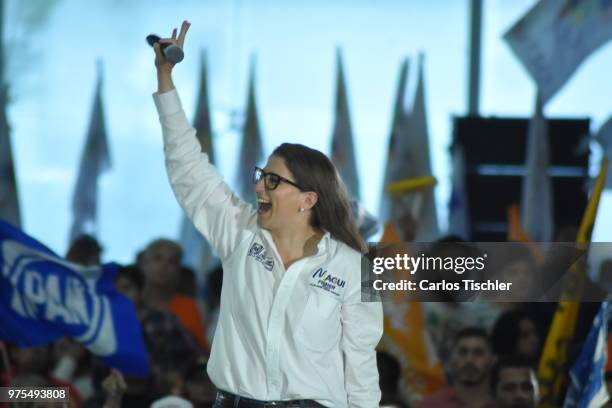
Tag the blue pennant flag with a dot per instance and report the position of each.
(44, 298)
(588, 387)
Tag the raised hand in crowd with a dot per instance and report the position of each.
(114, 387)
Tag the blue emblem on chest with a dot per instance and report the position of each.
(258, 252)
(328, 282)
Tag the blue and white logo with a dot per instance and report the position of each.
(328, 282)
(44, 298)
(258, 252)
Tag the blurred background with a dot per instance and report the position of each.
(450, 121)
(51, 49)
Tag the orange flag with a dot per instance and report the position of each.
(406, 337)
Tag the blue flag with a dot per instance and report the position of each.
(366, 222)
(398, 152)
(9, 200)
(342, 149)
(537, 200)
(95, 160)
(44, 298)
(588, 387)
(555, 37)
(251, 149)
(458, 208)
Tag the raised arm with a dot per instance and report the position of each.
(199, 188)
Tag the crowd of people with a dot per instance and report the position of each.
(487, 345)
(489, 354)
(488, 350)
(174, 324)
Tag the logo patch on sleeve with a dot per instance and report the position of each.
(258, 252)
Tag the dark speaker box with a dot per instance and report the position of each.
(495, 153)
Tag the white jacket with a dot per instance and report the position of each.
(300, 333)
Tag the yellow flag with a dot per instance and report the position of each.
(552, 366)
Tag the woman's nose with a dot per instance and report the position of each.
(259, 187)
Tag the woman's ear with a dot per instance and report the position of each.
(310, 199)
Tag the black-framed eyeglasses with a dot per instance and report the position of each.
(271, 180)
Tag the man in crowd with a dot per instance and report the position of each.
(469, 367)
(161, 265)
(514, 383)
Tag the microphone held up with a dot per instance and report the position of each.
(173, 53)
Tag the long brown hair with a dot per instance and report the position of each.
(313, 171)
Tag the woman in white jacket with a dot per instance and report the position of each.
(292, 330)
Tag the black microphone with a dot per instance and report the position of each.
(173, 53)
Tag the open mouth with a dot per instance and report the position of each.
(263, 206)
